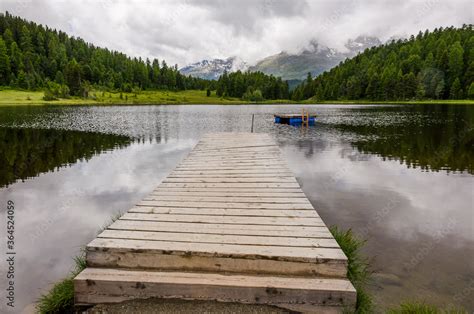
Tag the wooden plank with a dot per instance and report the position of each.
(236, 155)
(277, 171)
(218, 238)
(231, 185)
(99, 285)
(230, 199)
(229, 180)
(250, 230)
(269, 152)
(254, 148)
(224, 212)
(190, 193)
(249, 164)
(221, 161)
(220, 168)
(229, 175)
(274, 191)
(284, 253)
(278, 221)
(155, 201)
(233, 157)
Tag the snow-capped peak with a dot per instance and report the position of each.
(212, 69)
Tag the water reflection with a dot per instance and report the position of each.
(27, 152)
(441, 138)
(379, 170)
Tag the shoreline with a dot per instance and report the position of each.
(12, 98)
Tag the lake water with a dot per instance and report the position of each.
(400, 176)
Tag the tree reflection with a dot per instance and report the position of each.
(26, 152)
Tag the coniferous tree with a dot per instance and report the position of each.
(470, 92)
(4, 64)
(456, 91)
(455, 62)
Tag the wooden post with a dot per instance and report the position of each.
(251, 129)
(304, 117)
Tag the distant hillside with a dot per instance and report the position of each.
(33, 57)
(213, 69)
(431, 65)
(316, 59)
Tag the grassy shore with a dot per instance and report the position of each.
(392, 102)
(10, 97)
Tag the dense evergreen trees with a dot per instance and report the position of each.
(253, 86)
(31, 55)
(432, 65)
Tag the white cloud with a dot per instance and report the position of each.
(185, 31)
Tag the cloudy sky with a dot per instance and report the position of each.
(186, 31)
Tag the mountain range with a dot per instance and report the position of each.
(212, 69)
(293, 67)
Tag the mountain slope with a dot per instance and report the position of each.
(432, 65)
(213, 69)
(316, 59)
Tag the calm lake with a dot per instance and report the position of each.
(400, 176)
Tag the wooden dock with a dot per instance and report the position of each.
(231, 224)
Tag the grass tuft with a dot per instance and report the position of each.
(60, 299)
(415, 307)
(358, 268)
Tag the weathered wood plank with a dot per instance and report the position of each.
(235, 229)
(267, 153)
(235, 156)
(229, 175)
(231, 185)
(118, 285)
(224, 212)
(205, 193)
(220, 168)
(218, 239)
(284, 253)
(279, 221)
(283, 191)
(277, 172)
(230, 199)
(229, 180)
(155, 201)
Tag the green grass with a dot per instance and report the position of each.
(60, 299)
(20, 97)
(392, 102)
(11, 97)
(358, 271)
(415, 307)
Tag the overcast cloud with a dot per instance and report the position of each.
(186, 31)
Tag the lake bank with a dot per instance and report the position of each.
(10, 97)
